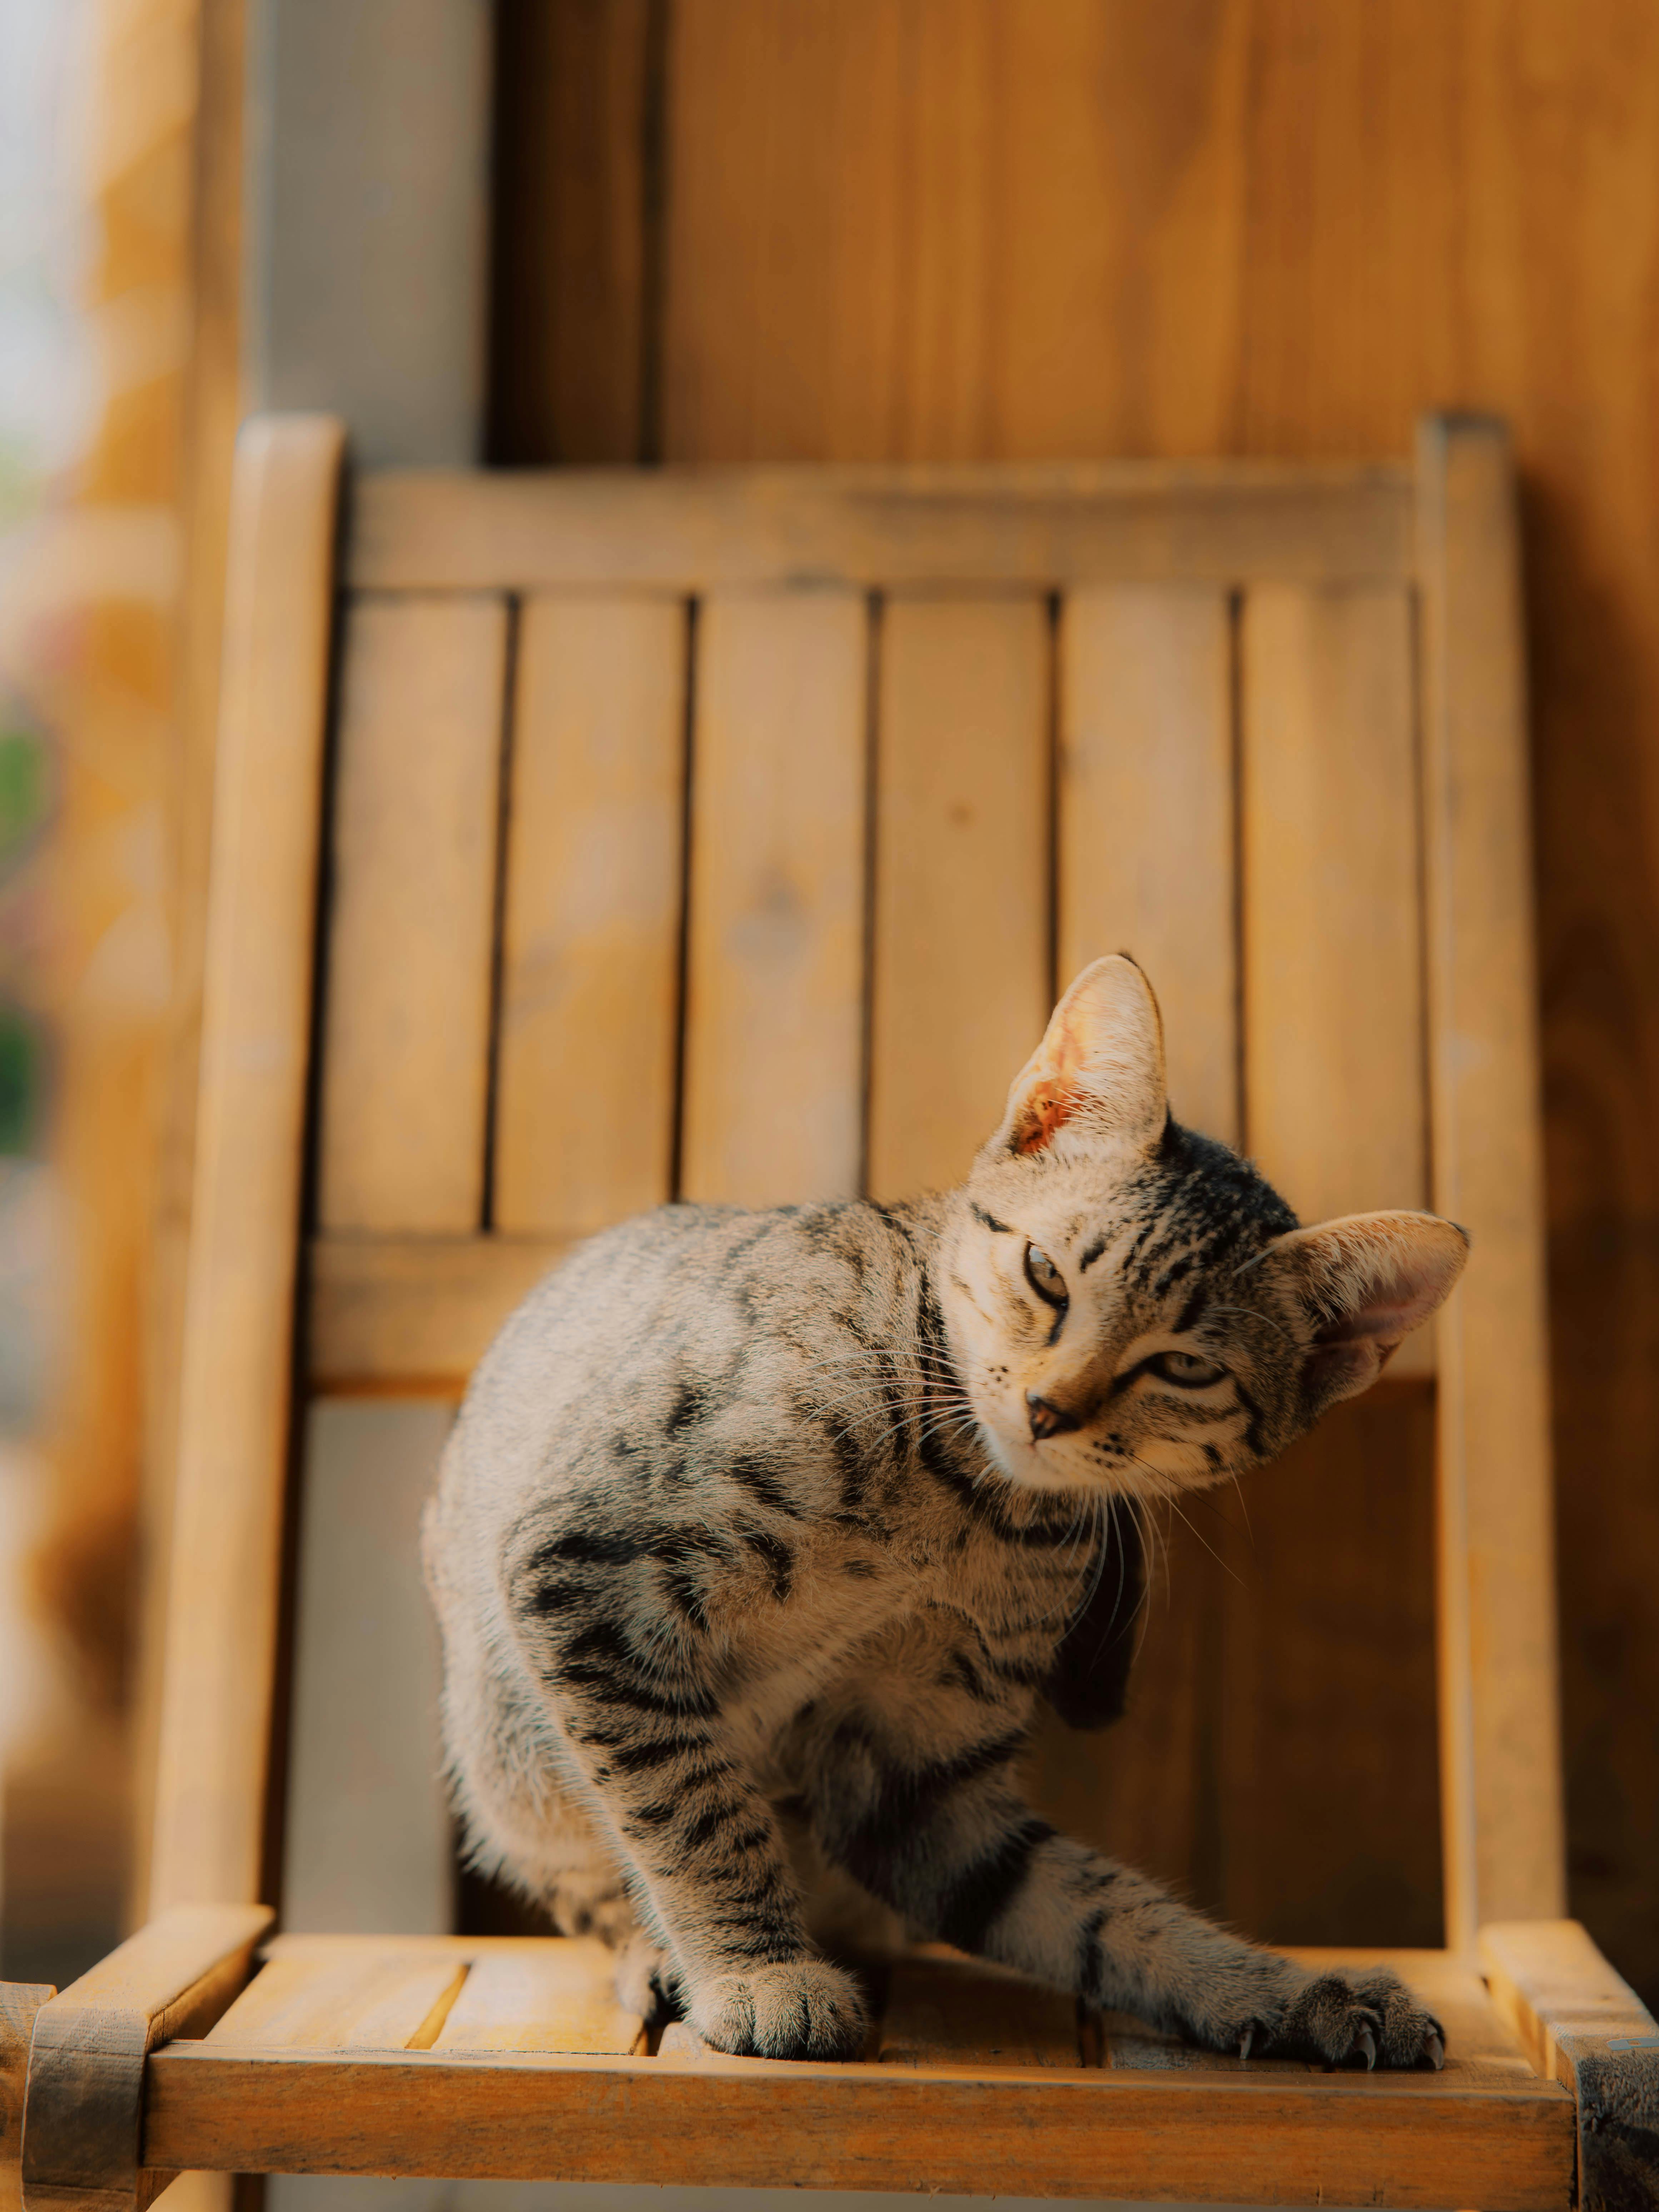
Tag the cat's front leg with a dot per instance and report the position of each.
(697, 1843)
(948, 1841)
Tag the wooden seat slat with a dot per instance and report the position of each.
(943, 2009)
(384, 1997)
(774, 964)
(590, 925)
(553, 1996)
(962, 982)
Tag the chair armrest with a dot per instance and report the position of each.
(83, 2097)
(1582, 2024)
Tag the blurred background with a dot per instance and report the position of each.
(557, 232)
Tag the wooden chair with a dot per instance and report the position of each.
(764, 808)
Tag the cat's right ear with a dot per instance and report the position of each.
(1098, 1077)
(1365, 1282)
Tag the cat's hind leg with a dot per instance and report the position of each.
(705, 1858)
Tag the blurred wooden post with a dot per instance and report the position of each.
(1500, 1724)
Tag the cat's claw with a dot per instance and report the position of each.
(1246, 2039)
(1434, 2052)
(1365, 2046)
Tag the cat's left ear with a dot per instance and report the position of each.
(1367, 1282)
(1098, 1077)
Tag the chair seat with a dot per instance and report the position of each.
(513, 2058)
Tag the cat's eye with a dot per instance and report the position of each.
(1185, 1367)
(1045, 1278)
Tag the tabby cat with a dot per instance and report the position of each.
(761, 1535)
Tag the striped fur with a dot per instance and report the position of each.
(760, 1536)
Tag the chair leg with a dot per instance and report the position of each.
(1582, 2025)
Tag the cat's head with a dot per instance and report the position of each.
(1132, 1307)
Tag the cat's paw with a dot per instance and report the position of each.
(800, 2010)
(644, 1980)
(1367, 2020)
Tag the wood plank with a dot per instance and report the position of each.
(1481, 2050)
(355, 2000)
(945, 2009)
(773, 1108)
(1402, 2140)
(413, 1313)
(407, 1001)
(1499, 1719)
(1334, 1088)
(1321, 1611)
(83, 2099)
(1046, 524)
(1147, 828)
(590, 961)
(557, 1995)
(1586, 2027)
(961, 982)
(236, 1391)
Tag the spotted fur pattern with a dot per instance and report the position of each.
(761, 1535)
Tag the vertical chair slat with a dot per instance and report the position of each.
(1334, 1098)
(407, 1003)
(1147, 828)
(236, 1390)
(1499, 1719)
(775, 986)
(962, 966)
(590, 980)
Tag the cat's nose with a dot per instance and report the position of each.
(1048, 1420)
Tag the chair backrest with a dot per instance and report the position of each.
(726, 834)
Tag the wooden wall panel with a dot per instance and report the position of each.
(893, 229)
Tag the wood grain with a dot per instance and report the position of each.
(568, 379)
(962, 984)
(411, 922)
(1147, 836)
(82, 2113)
(1583, 2026)
(413, 1313)
(1401, 2139)
(1335, 1104)
(943, 2009)
(774, 1105)
(591, 952)
(553, 1996)
(346, 2000)
(236, 1395)
(1505, 1849)
(673, 529)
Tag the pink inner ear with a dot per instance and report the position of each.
(1054, 1098)
(1048, 1105)
(1396, 1317)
